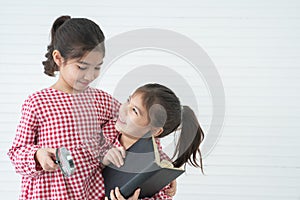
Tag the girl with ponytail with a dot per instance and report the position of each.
(156, 109)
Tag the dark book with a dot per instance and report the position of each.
(142, 169)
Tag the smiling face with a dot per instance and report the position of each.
(133, 118)
(76, 74)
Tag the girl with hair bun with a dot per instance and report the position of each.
(67, 114)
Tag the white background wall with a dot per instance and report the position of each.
(255, 46)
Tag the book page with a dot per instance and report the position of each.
(162, 163)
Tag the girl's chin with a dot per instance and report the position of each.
(119, 128)
(134, 136)
(78, 89)
(130, 136)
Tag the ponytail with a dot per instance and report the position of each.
(49, 65)
(190, 139)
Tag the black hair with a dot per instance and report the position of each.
(188, 146)
(73, 38)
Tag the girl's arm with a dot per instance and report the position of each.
(22, 152)
(109, 132)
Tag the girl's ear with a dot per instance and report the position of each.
(157, 131)
(58, 59)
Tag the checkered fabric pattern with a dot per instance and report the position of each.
(113, 137)
(51, 118)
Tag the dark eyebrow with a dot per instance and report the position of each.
(85, 63)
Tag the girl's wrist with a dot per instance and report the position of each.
(38, 166)
(35, 157)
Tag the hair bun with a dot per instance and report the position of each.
(58, 22)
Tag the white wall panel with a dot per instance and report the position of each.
(255, 47)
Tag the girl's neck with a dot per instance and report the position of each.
(63, 87)
(126, 141)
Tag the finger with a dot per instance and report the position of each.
(173, 184)
(52, 153)
(174, 187)
(50, 164)
(118, 194)
(107, 159)
(51, 150)
(112, 159)
(122, 151)
(112, 195)
(106, 198)
(49, 168)
(117, 157)
(136, 194)
(170, 192)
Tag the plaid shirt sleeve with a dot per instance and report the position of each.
(24, 146)
(109, 132)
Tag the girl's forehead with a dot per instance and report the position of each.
(137, 93)
(139, 96)
(138, 99)
(93, 55)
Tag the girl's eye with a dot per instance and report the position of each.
(97, 68)
(134, 110)
(81, 68)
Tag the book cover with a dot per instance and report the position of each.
(142, 169)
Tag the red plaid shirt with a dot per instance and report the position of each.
(51, 118)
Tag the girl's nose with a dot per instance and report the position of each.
(125, 108)
(90, 75)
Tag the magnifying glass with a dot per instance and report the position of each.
(65, 161)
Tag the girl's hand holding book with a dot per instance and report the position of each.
(172, 190)
(115, 156)
(116, 195)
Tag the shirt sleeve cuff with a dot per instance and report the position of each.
(33, 163)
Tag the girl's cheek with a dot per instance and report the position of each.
(97, 73)
(77, 75)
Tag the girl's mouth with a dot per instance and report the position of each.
(84, 83)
